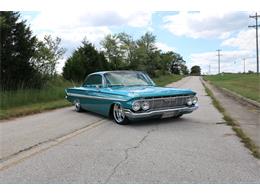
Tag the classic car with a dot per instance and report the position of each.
(130, 95)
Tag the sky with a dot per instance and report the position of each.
(196, 35)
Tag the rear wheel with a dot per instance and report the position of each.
(119, 115)
(77, 105)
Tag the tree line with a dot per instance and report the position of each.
(27, 62)
(121, 52)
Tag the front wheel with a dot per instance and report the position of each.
(119, 115)
(77, 106)
(178, 116)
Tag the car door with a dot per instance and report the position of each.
(92, 92)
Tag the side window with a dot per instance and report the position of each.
(93, 80)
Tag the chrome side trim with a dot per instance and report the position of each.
(93, 97)
(182, 110)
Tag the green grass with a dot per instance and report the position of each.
(167, 79)
(32, 109)
(247, 85)
(231, 122)
(28, 101)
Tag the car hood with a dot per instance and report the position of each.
(148, 91)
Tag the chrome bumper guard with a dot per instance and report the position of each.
(173, 111)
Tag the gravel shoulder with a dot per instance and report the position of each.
(246, 115)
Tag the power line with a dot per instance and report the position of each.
(256, 27)
(218, 50)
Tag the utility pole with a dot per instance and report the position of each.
(218, 50)
(244, 65)
(209, 69)
(256, 30)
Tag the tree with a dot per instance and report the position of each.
(85, 60)
(128, 47)
(184, 69)
(17, 45)
(123, 52)
(166, 60)
(173, 63)
(148, 42)
(177, 63)
(112, 51)
(48, 53)
(195, 70)
(147, 53)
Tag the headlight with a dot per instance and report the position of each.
(145, 105)
(136, 106)
(194, 100)
(189, 101)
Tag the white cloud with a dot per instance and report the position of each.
(72, 38)
(82, 18)
(140, 19)
(60, 65)
(164, 47)
(230, 61)
(72, 26)
(206, 24)
(231, 28)
(244, 40)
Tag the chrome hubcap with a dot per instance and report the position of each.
(118, 113)
(77, 105)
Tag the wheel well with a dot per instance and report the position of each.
(111, 111)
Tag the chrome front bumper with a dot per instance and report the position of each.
(152, 113)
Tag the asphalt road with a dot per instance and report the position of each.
(87, 148)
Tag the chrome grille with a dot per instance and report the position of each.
(168, 102)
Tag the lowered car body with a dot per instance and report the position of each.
(130, 95)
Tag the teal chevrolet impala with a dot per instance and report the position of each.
(130, 95)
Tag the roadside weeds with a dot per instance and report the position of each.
(235, 126)
(32, 109)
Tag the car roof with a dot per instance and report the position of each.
(103, 72)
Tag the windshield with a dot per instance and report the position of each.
(127, 79)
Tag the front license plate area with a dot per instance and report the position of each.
(168, 115)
